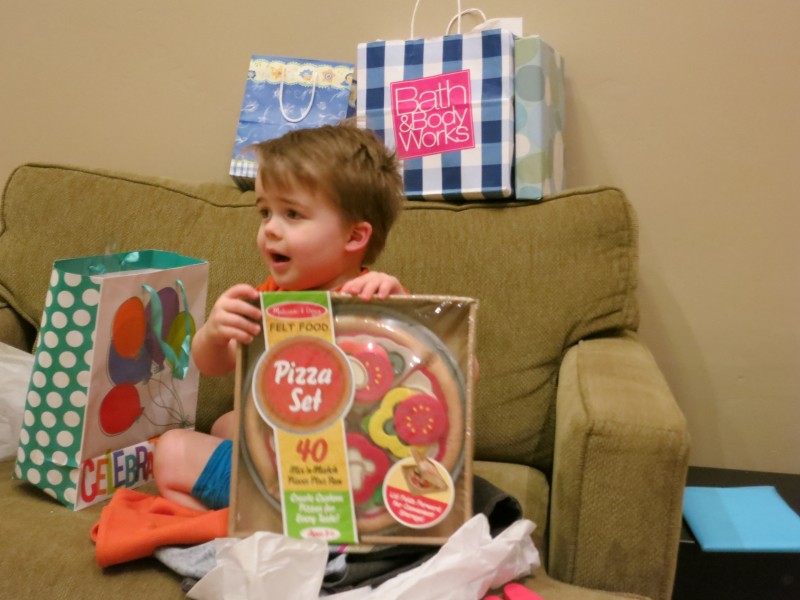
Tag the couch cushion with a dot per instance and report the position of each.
(50, 212)
(528, 486)
(47, 551)
(546, 274)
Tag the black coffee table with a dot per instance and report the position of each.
(734, 575)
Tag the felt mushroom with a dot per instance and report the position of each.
(368, 467)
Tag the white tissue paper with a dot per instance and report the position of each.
(466, 567)
(264, 565)
(268, 565)
(15, 374)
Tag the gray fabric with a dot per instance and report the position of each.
(189, 561)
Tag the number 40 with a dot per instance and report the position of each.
(317, 450)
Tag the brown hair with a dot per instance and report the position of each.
(350, 165)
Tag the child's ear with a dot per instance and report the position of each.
(360, 233)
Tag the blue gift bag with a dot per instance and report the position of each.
(282, 94)
(446, 106)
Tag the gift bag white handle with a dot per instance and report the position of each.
(304, 113)
(466, 11)
(456, 17)
(414, 17)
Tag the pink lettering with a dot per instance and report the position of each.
(87, 493)
(433, 115)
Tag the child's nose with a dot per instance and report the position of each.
(272, 228)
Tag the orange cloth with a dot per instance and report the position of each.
(134, 524)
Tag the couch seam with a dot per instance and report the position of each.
(633, 258)
(584, 452)
(11, 302)
(129, 178)
(502, 204)
(151, 181)
(670, 582)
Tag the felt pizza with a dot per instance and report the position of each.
(408, 395)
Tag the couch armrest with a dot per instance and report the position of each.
(620, 462)
(14, 330)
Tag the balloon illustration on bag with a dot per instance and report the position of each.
(120, 409)
(146, 339)
(170, 305)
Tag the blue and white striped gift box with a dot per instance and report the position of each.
(446, 106)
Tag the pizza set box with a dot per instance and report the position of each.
(355, 420)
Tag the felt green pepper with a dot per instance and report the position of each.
(381, 424)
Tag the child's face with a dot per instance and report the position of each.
(303, 239)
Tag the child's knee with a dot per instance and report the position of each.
(170, 442)
(225, 426)
(169, 450)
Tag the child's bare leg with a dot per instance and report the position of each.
(179, 459)
(224, 426)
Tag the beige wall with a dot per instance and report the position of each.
(692, 107)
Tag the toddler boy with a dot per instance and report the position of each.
(327, 198)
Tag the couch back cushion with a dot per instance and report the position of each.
(546, 274)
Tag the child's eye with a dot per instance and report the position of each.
(293, 214)
(264, 212)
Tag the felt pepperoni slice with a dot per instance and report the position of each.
(376, 364)
(420, 420)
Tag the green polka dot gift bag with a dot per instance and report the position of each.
(111, 371)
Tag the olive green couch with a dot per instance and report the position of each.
(572, 415)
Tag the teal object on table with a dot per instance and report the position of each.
(741, 519)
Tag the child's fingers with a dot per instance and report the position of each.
(369, 289)
(373, 285)
(240, 301)
(361, 286)
(249, 311)
(354, 286)
(242, 290)
(227, 322)
(388, 286)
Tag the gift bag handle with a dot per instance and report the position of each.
(304, 113)
(180, 364)
(456, 17)
(466, 11)
(112, 263)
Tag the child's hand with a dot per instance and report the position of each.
(234, 316)
(373, 283)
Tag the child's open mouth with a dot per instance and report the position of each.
(279, 258)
